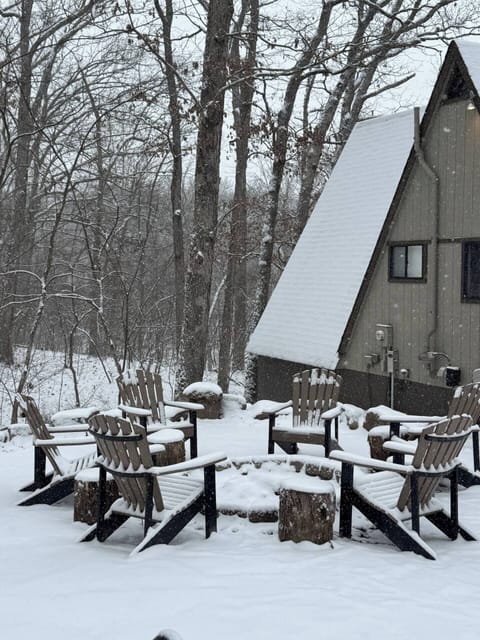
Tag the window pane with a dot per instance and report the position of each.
(472, 269)
(399, 262)
(415, 260)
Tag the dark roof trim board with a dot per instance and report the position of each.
(452, 59)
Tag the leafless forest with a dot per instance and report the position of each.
(118, 237)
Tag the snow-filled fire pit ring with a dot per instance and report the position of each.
(250, 486)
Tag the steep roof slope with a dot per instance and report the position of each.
(309, 308)
(470, 52)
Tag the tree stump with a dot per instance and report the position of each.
(174, 446)
(85, 495)
(306, 512)
(208, 394)
(376, 441)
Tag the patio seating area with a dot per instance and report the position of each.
(244, 556)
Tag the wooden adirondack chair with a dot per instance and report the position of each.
(55, 485)
(398, 493)
(314, 405)
(164, 497)
(142, 399)
(465, 401)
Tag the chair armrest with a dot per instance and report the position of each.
(64, 442)
(135, 411)
(69, 428)
(78, 414)
(395, 446)
(189, 465)
(386, 416)
(275, 408)
(370, 463)
(330, 414)
(186, 406)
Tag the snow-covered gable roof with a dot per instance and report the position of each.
(307, 313)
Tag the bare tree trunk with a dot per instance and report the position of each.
(22, 162)
(177, 169)
(207, 170)
(235, 285)
(280, 145)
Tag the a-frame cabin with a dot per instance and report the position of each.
(384, 283)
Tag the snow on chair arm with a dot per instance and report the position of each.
(189, 465)
(388, 417)
(63, 442)
(400, 446)
(370, 463)
(330, 414)
(186, 406)
(135, 411)
(268, 409)
(68, 428)
(79, 414)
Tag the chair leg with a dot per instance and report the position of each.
(468, 478)
(476, 451)
(414, 502)
(39, 467)
(49, 494)
(210, 500)
(327, 437)
(193, 440)
(346, 506)
(271, 444)
(168, 529)
(147, 522)
(454, 502)
(108, 526)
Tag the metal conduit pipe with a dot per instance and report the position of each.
(433, 251)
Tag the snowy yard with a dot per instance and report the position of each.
(241, 583)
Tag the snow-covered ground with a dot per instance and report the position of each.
(241, 583)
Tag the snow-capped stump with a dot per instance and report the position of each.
(85, 495)
(207, 393)
(172, 450)
(307, 511)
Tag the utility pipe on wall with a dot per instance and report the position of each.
(433, 251)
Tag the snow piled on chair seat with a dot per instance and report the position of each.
(176, 492)
(383, 490)
(306, 316)
(71, 467)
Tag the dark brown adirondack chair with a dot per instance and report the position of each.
(141, 394)
(465, 401)
(55, 485)
(398, 493)
(314, 405)
(165, 498)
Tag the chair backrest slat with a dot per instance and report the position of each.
(143, 390)
(296, 399)
(39, 429)
(123, 454)
(314, 391)
(435, 455)
(466, 400)
(303, 408)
